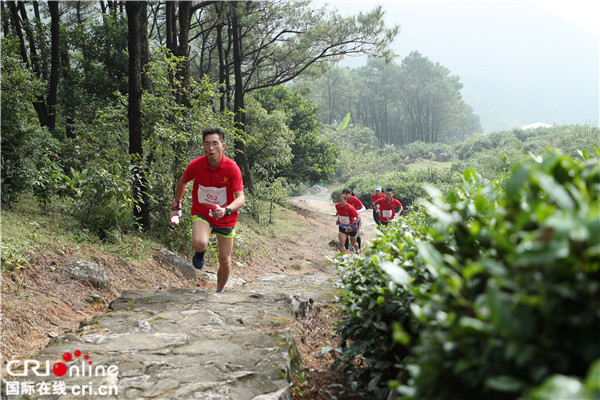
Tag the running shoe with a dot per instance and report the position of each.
(198, 260)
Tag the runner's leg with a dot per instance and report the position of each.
(354, 244)
(225, 250)
(200, 237)
(342, 238)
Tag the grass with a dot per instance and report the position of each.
(281, 226)
(27, 230)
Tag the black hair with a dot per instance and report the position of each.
(212, 130)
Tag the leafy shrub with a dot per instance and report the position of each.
(372, 305)
(493, 293)
(27, 149)
(424, 150)
(101, 199)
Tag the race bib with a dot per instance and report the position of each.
(386, 213)
(344, 220)
(212, 195)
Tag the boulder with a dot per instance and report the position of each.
(89, 271)
(184, 266)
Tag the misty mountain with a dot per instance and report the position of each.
(518, 62)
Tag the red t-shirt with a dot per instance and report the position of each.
(346, 215)
(387, 211)
(355, 202)
(374, 198)
(214, 186)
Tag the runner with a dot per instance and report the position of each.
(348, 220)
(386, 207)
(374, 197)
(218, 195)
(360, 208)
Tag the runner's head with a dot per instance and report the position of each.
(342, 200)
(389, 194)
(212, 130)
(378, 190)
(214, 144)
(347, 192)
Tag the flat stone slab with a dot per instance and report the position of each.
(182, 344)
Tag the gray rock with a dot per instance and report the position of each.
(89, 271)
(173, 260)
(184, 344)
(94, 299)
(301, 306)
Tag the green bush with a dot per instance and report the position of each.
(101, 199)
(372, 305)
(28, 151)
(495, 292)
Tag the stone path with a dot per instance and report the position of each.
(183, 344)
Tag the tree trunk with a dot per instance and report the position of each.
(183, 75)
(54, 62)
(144, 45)
(35, 60)
(171, 26)
(16, 21)
(238, 107)
(5, 19)
(140, 184)
(222, 61)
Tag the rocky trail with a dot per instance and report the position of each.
(191, 343)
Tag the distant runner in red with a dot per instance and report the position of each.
(348, 220)
(360, 208)
(218, 195)
(386, 207)
(374, 197)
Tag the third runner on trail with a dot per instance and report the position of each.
(348, 220)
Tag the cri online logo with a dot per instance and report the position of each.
(60, 369)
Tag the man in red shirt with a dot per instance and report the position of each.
(374, 197)
(386, 207)
(217, 196)
(348, 220)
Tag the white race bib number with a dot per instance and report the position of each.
(344, 220)
(386, 213)
(212, 195)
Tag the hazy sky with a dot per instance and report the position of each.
(519, 61)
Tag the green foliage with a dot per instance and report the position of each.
(100, 59)
(482, 152)
(497, 287)
(101, 198)
(373, 305)
(314, 158)
(28, 151)
(431, 151)
(268, 140)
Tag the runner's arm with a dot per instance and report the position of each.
(236, 204)
(179, 192)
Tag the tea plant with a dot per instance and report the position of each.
(493, 292)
